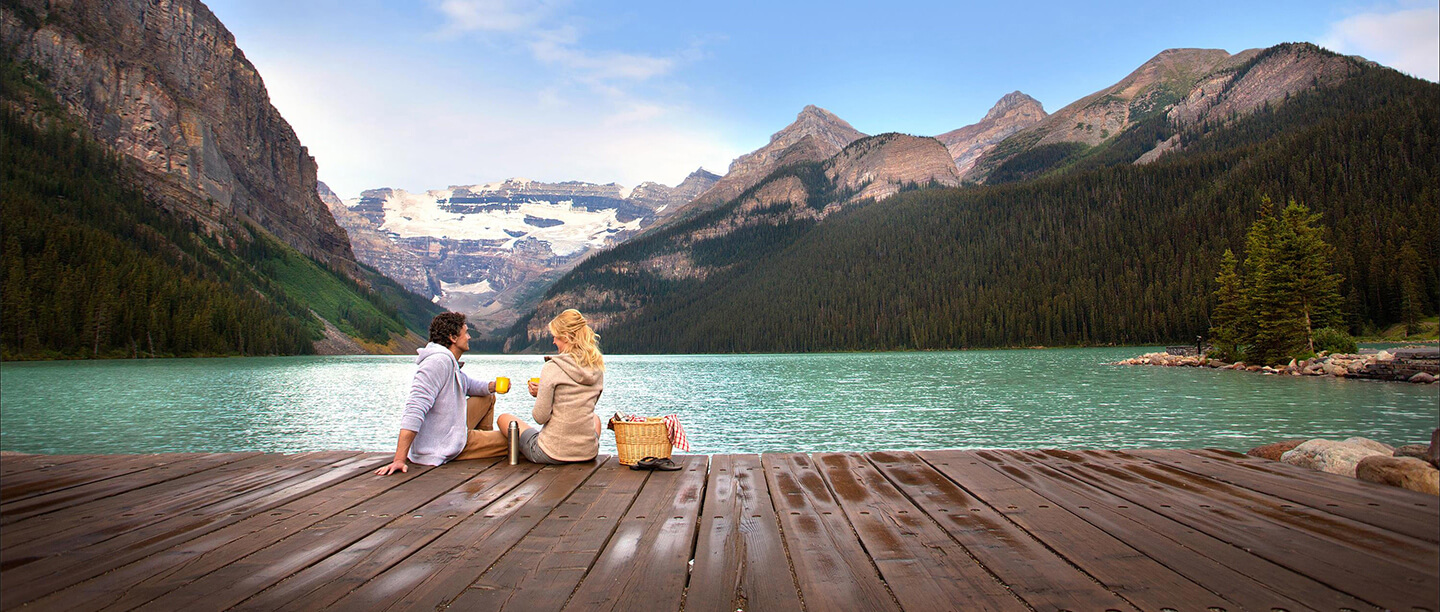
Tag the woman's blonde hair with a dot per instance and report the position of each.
(584, 342)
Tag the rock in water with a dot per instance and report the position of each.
(1418, 451)
(1405, 472)
(1370, 444)
(1330, 456)
(1273, 451)
(1422, 378)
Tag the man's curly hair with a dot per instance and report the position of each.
(445, 326)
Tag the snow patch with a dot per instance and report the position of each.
(480, 287)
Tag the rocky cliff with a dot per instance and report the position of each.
(1182, 88)
(1014, 112)
(823, 135)
(162, 82)
(880, 166)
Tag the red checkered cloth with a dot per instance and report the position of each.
(677, 433)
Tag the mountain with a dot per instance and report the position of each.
(1178, 88)
(815, 135)
(490, 250)
(1015, 111)
(709, 248)
(157, 201)
(164, 84)
(379, 250)
(1094, 250)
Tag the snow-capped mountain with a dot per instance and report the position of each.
(493, 248)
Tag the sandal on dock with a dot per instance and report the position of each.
(659, 464)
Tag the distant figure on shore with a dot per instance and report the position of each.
(565, 394)
(446, 406)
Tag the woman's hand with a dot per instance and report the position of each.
(534, 388)
(395, 466)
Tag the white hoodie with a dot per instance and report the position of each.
(435, 410)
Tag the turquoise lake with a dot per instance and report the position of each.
(1054, 398)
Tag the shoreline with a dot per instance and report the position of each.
(1384, 365)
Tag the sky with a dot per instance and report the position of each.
(424, 94)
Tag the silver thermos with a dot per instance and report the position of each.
(514, 442)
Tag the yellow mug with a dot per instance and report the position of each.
(502, 384)
(535, 381)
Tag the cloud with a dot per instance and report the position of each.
(560, 47)
(494, 15)
(1407, 39)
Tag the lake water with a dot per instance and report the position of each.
(1056, 398)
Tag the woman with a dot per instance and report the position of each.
(570, 384)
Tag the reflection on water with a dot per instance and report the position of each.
(1059, 398)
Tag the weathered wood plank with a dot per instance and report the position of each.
(233, 583)
(11, 464)
(1417, 517)
(1385, 582)
(1383, 496)
(740, 560)
(1384, 544)
(442, 569)
(102, 519)
(166, 468)
(1040, 577)
(925, 569)
(831, 566)
(341, 572)
(1253, 582)
(71, 567)
(57, 478)
(1113, 561)
(646, 561)
(151, 576)
(543, 569)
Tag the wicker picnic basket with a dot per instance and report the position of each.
(636, 441)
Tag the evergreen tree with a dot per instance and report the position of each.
(1228, 324)
(1315, 289)
(1290, 290)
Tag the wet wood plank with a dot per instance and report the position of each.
(128, 586)
(233, 583)
(922, 565)
(645, 563)
(740, 559)
(1043, 579)
(165, 467)
(1384, 582)
(831, 566)
(17, 463)
(1408, 514)
(341, 572)
(74, 566)
(543, 569)
(441, 571)
(1047, 530)
(1114, 561)
(1242, 577)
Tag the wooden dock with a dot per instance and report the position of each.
(943, 530)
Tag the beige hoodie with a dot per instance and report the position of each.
(566, 408)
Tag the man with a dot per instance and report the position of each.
(446, 406)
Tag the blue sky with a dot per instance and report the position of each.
(430, 93)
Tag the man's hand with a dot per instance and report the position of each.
(534, 387)
(395, 466)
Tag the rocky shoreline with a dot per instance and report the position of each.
(1414, 466)
(1380, 365)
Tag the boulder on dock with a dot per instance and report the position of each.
(1331, 456)
(1405, 472)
